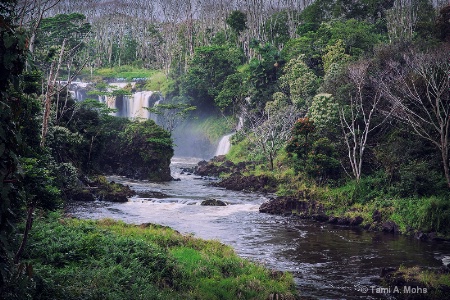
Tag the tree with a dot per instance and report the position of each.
(357, 116)
(172, 114)
(237, 20)
(13, 277)
(299, 82)
(64, 34)
(419, 96)
(232, 94)
(270, 131)
(207, 72)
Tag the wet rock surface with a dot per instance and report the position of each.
(101, 189)
(213, 202)
(212, 168)
(307, 209)
(250, 183)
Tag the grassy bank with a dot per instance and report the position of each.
(80, 259)
(417, 283)
(370, 200)
(155, 80)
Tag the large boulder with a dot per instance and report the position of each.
(213, 202)
(252, 183)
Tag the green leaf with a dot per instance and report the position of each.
(8, 40)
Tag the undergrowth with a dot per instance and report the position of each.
(106, 259)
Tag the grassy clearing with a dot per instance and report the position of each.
(158, 81)
(155, 80)
(81, 259)
(126, 72)
(213, 127)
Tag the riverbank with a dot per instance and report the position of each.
(73, 259)
(422, 218)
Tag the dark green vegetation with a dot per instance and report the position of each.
(48, 152)
(74, 259)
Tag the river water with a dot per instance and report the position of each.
(328, 262)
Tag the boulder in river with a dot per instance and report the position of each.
(213, 202)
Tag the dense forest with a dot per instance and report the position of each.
(345, 101)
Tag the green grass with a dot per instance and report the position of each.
(156, 80)
(106, 259)
(213, 127)
(127, 72)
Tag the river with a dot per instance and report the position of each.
(328, 262)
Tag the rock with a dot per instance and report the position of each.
(237, 182)
(152, 194)
(213, 202)
(83, 195)
(115, 197)
(333, 220)
(376, 216)
(281, 205)
(421, 236)
(356, 221)
(320, 217)
(390, 226)
(219, 158)
(111, 191)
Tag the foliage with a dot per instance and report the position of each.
(172, 114)
(269, 132)
(237, 20)
(146, 149)
(14, 281)
(263, 74)
(75, 259)
(323, 111)
(316, 157)
(208, 70)
(232, 94)
(299, 82)
(277, 29)
(322, 163)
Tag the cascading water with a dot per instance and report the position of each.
(127, 106)
(224, 145)
(133, 106)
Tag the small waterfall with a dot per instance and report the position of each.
(224, 145)
(136, 105)
(110, 102)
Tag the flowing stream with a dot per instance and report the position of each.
(328, 262)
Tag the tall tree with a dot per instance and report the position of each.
(420, 98)
(357, 116)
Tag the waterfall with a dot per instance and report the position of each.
(224, 145)
(136, 104)
(132, 106)
(127, 106)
